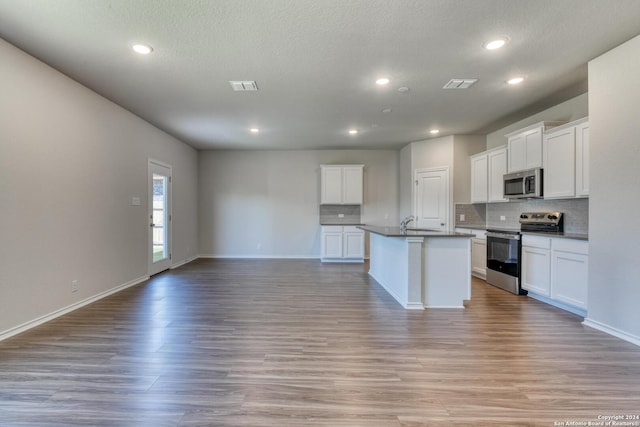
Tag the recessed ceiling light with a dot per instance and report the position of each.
(496, 44)
(382, 81)
(254, 130)
(434, 131)
(142, 49)
(403, 89)
(386, 110)
(353, 131)
(515, 80)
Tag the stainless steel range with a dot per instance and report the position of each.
(504, 248)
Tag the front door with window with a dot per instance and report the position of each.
(159, 217)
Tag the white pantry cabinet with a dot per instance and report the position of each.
(342, 243)
(525, 146)
(341, 184)
(487, 169)
(556, 269)
(566, 161)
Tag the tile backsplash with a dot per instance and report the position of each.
(475, 215)
(576, 213)
(330, 214)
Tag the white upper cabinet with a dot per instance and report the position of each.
(582, 159)
(525, 146)
(487, 169)
(560, 164)
(352, 177)
(566, 161)
(479, 178)
(497, 167)
(341, 184)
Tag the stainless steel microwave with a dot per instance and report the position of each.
(525, 184)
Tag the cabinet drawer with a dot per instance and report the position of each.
(571, 245)
(332, 229)
(536, 242)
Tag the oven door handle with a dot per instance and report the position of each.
(503, 236)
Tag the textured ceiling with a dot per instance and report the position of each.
(315, 62)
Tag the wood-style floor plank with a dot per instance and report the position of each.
(301, 343)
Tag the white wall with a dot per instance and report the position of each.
(614, 230)
(463, 147)
(266, 203)
(572, 109)
(406, 182)
(450, 151)
(70, 162)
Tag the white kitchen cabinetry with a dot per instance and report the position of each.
(342, 243)
(569, 271)
(497, 167)
(555, 270)
(535, 273)
(478, 251)
(479, 178)
(566, 161)
(525, 146)
(487, 169)
(582, 159)
(341, 184)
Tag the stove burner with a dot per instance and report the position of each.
(551, 222)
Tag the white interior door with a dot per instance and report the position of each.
(159, 217)
(432, 198)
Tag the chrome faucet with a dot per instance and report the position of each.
(405, 222)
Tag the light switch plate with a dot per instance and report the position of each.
(462, 217)
(340, 215)
(135, 201)
(503, 218)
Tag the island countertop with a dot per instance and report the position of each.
(411, 232)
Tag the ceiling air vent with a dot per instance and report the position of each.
(459, 83)
(243, 85)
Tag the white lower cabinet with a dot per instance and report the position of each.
(535, 273)
(342, 244)
(569, 272)
(557, 270)
(479, 258)
(478, 252)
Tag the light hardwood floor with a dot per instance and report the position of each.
(300, 343)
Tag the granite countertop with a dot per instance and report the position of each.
(564, 235)
(575, 236)
(342, 223)
(472, 227)
(411, 232)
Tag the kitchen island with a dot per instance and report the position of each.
(421, 268)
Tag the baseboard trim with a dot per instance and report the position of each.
(389, 291)
(559, 304)
(186, 261)
(46, 318)
(214, 256)
(612, 331)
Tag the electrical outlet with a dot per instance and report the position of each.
(74, 286)
(259, 246)
(340, 215)
(503, 218)
(462, 217)
(386, 216)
